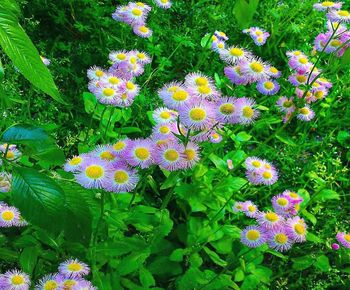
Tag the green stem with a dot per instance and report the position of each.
(109, 121)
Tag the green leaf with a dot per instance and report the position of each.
(218, 162)
(24, 133)
(39, 198)
(146, 278)
(309, 216)
(302, 263)
(322, 263)
(215, 257)
(132, 262)
(205, 41)
(90, 102)
(28, 259)
(345, 59)
(177, 255)
(313, 238)
(22, 52)
(243, 136)
(250, 282)
(8, 255)
(127, 130)
(244, 11)
(326, 194)
(171, 180)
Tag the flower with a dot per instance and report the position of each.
(124, 179)
(95, 73)
(165, 4)
(245, 110)
(170, 156)
(253, 236)
(268, 176)
(296, 228)
(339, 16)
(45, 60)
(94, 173)
(84, 285)
(215, 137)
(73, 268)
(285, 104)
(328, 5)
(335, 246)
(48, 282)
(104, 152)
(269, 87)
(164, 115)
(344, 239)
(142, 31)
(234, 54)
(226, 110)
(279, 239)
(190, 155)
(305, 114)
(174, 95)
(198, 79)
(254, 69)
(9, 216)
(197, 116)
(273, 72)
(14, 280)
(270, 220)
(5, 182)
(140, 153)
(281, 204)
(254, 163)
(238, 206)
(250, 209)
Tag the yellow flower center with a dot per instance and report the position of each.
(99, 73)
(257, 67)
(198, 114)
(143, 29)
(94, 171)
(114, 80)
(248, 112)
(343, 13)
(164, 129)
(17, 280)
(287, 104)
(304, 111)
(347, 237)
(108, 92)
(7, 215)
(124, 96)
(75, 160)
(303, 60)
(121, 177)
(190, 154)
(140, 4)
(269, 85)
(252, 208)
(165, 115)
(164, 1)
(180, 95)
(201, 81)
(120, 145)
(273, 70)
(253, 235)
(236, 52)
(68, 284)
(133, 60)
(327, 3)
(301, 78)
(142, 153)
(74, 267)
(256, 163)
(336, 42)
(221, 45)
(136, 12)
(293, 195)
(267, 174)
(130, 85)
(204, 90)
(121, 56)
(319, 94)
(10, 155)
(260, 39)
(299, 229)
(259, 32)
(106, 155)
(214, 38)
(171, 155)
(271, 217)
(227, 109)
(161, 142)
(281, 238)
(282, 201)
(50, 285)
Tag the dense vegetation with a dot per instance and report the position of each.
(179, 225)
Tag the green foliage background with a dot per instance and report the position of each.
(169, 236)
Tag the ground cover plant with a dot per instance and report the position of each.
(174, 144)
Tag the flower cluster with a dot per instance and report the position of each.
(165, 4)
(70, 276)
(5, 181)
(260, 171)
(343, 239)
(10, 217)
(246, 68)
(134, 14)
(116, 86)
(258, 35)
(334, 12)
(280, 228)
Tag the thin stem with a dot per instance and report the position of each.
(109, 121)
(90, 124)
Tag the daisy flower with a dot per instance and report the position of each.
(343, 239)
(234, 74)
(5, 182)
(107, 93)
(306, 114)
(198, 79)
(245, 110)
(197, 116)
(143, 57)
(165, 4)
(140, 153)
(300, 63)
(270, 220)
(165, 131)
(9, 216)
(234, 54)
(273, 72)
(229, 164)
(279, 239)
(238, 206)
(339, 16)
(190, 155)
(170, 156)
(164, 115)
(12, 153)
(118, 56)
(68, 282)
(296, 229)
(221, 35)
(254, 69)
(254, 163)
(120, 147)
(142, 31)
(124, 179)
(293, 196)
(328, 5)
(285, 104)
(174, 95)
(84, 285)
(94, 173)
(207, 92)
(253, 236)
(281, 204)
(95, 73)
(250, 209)
(218, 46)
(73, 268)
(226, 110)
(48, 282)
(297, 79)
(104, 152)
(269, 87)
(111, 79)
(268, 176)
(294, 53)
(215, 137)
(15, 280)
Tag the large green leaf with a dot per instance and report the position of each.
(244, 11)
(24, 133)
(22, 52)
(40, 199)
